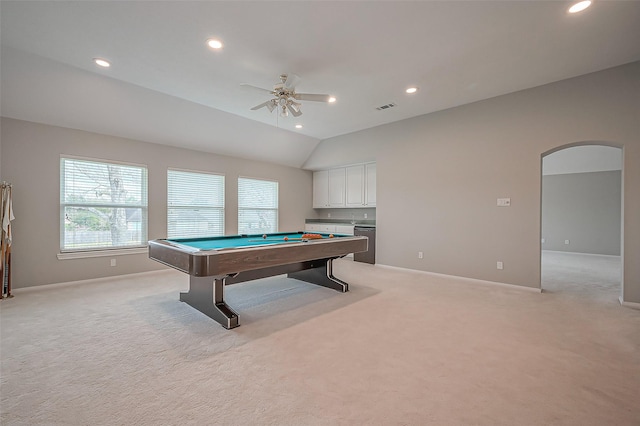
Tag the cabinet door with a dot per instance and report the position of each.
(320, 227)
(370, 185)
(344, 229)
(336, 187)
(321, 189)
(355, 186)
(328, 228)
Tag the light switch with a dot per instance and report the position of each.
(504, 202)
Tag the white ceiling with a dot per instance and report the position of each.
(166, 86)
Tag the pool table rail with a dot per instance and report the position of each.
(211, 263)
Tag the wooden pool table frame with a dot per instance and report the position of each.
(210, 270)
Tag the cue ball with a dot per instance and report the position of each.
(264, 236)
(286, 238)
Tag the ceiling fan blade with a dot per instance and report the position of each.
(268, 104)
(294, 111)
(249, 86)
(311, 97)
(271, 105)
(292, 81)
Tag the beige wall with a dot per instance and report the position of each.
(31, 162)
(583, 209)
(439, 176)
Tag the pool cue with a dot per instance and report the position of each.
(8, 271)
(2, 266)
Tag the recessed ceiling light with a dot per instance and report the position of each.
(298, 126)
(411, 90)
(102, 62)
(332, 99)
(214, 43)
(580, 6)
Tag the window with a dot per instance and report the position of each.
(257, 206)
(103, 205)
(195, 204)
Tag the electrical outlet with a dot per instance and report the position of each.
(543, 241)
(499, 265)
(566, 242)
(113, 262)
(420, 255)
(365, 215)
(329, 215)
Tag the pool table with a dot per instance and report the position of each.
(215, 262)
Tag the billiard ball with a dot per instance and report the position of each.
(264, 236)
(286, 238)
(330, 235)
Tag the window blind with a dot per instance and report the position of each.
(102, 205)
(195, 204)
(257, 206)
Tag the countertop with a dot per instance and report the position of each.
(356, 222)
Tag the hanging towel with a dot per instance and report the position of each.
(7, 214)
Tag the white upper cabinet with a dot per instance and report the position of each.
(321, 189)
(336, 187)
(353, 186)
(361, 185)
(370, 185)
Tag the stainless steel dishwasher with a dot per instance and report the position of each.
(368, 256)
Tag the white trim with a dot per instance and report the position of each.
(90, 280)
(632, 305)
(469, 280)
(176, 169)
(102, 253)
(102, 160)
(585, 254)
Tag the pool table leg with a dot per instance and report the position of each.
(321, 275)
(208, 298)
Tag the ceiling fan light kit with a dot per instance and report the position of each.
(285, 96)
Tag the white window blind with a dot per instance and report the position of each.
(103, 205)
(257, 206)
(195, 204)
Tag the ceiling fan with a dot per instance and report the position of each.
(285, 96)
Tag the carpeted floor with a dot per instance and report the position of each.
(401, 348)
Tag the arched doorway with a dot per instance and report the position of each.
(581, 221)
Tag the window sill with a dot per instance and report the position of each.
(101, 253)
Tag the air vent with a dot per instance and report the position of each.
(387, 106)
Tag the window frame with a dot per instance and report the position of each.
(98, 251)
(223, 198)
(277, 208)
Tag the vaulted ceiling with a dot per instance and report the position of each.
(166, 86)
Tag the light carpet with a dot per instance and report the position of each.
(401, 348)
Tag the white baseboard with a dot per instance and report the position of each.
(87, 281)
(470, 280)
(632, 305)
(582, 254)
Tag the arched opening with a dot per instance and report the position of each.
(582, 202)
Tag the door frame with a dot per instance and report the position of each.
(588, 143)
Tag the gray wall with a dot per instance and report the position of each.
(31, 162)
(583, 208)
(439, 176)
